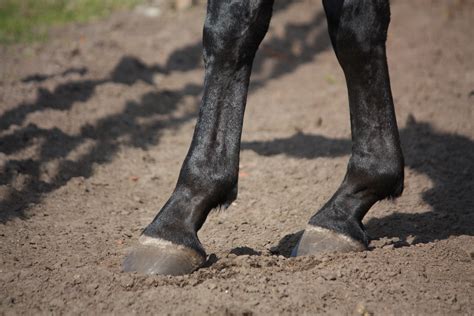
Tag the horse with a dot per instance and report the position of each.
(233, 31)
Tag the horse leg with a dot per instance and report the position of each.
(233, 31)
(358, 32)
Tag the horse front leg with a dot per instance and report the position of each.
(232, 33)
(358, 31)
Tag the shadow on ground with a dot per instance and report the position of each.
(24, 178)
(447, 159)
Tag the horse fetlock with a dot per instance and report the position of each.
(377, 176)
(211, 186)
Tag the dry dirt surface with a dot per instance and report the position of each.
(94, 125)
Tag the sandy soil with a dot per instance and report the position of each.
(94, 125)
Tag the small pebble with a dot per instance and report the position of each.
(126, 281)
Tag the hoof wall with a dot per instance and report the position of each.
(158, 256)
(317, 240)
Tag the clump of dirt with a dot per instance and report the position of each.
(94, 125)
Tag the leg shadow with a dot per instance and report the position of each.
(446, 158)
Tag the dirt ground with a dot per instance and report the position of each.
(94, 125)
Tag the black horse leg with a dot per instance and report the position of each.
(232, 33)
(358, 31)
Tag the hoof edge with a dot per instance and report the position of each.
(317, 240)
(159, 256)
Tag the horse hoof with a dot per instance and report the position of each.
(158, 256)
(317, 240)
